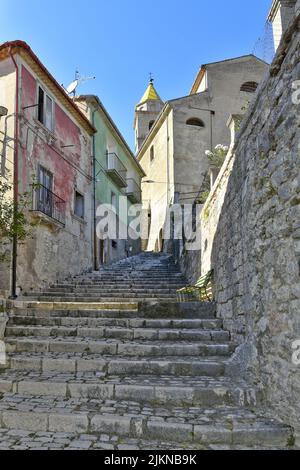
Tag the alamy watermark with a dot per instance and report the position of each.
(133, 223)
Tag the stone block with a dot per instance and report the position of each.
(119, 425)
(212, 434)
(92, 391)
(42, 388)
(26, 421)
(75, 423)
(177, 432)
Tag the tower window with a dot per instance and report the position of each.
(151, 125)
(152, 154)
(249, 87)
(195, 122)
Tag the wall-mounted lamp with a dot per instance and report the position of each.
(67, 146)
(3, 111)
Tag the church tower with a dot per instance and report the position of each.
(146, 113)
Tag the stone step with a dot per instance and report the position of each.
(123, 282)
(120, 333)
(107, 290)
(113, 347)
(39, 440)
(88, 322)
(153, 309)
(102, 299)
(194, 425)
(180, 391)
(129, 275)
(118, 365)
(69, 306)
(165, 282)
(102, 292)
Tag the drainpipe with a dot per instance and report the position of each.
(15, 184)
(168, 162)
(94, 195)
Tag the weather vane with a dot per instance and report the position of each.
(151, 77)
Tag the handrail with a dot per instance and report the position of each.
(47, 202)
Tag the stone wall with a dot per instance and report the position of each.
(250, 229)
(256, 249)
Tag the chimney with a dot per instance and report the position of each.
(280, 15)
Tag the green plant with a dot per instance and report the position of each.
(217, 156)
(245, 107)
(205, 190)
(291, 441)
(206, 213)
(14, 220)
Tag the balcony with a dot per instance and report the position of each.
(116, 170)
(133, 191)
(49, 204)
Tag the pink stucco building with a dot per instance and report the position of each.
(45, 137)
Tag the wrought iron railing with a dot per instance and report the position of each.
(48, 203)
(116, 169)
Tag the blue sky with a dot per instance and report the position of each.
(121, 41)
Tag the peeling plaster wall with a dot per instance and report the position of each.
(54, 252)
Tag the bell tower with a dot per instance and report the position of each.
(146, 113)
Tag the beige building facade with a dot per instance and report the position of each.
(173, 153)
(280, 15)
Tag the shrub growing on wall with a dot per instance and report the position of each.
(13, 222)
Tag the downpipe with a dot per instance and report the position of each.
(16, 185)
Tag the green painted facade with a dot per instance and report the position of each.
(109, 143)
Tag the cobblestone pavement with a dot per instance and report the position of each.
(151, 375)
(25, 440)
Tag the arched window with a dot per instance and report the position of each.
(249, 87)
(151, 125)
(195, 122)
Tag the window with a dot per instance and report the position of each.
(44, 193)
(152, 155)
(249, 87)
(79, 205)
(45, 109)
(114, 200)
(195, 122)
(151, 125)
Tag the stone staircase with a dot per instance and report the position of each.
(140, 278)
(111, 360)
